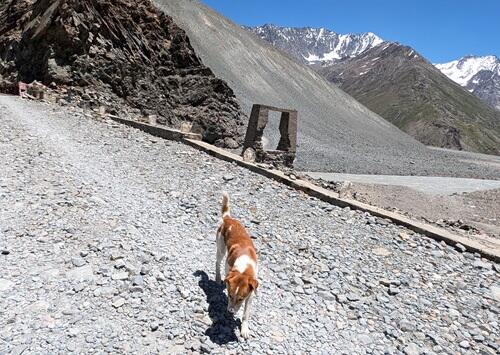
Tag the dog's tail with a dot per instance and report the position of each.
(225, 205)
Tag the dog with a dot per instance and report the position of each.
(241, 264)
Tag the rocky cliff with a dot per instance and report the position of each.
(124, 54)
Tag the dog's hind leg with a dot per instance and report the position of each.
(221, 252)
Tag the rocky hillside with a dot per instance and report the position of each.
(123, 54)
(479, 75)
(400, 85)
(335, 132)
(316, 45)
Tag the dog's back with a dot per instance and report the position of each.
(237, 241)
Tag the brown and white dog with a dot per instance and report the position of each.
(241, 264)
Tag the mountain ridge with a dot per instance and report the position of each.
(316, 45)
(320, 45)
(405, 88)
(419, 99)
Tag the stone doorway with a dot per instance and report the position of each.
(284, 154)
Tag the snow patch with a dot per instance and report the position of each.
(312, 58)
(461, 71)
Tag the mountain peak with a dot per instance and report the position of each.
(316, 45)
(478, 74)
(462, 70)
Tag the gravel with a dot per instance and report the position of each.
(70, 183)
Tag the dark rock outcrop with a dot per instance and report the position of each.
(122, 54)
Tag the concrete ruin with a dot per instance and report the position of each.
(34, 91)
(253, 148)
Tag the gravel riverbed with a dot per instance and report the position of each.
(107, 245)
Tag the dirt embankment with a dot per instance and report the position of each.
(123, 54)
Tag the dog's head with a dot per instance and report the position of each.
(239, 288)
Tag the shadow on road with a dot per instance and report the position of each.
(222, 330)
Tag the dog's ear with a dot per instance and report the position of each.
(253, 284)
(229, 277)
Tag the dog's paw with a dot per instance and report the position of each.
(245, 332)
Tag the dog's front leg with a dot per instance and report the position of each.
(245, 332)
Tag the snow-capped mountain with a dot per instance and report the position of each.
(461, 71)
(316, 45)
(479, 75)
(399, 84)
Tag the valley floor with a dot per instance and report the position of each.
(107, 245)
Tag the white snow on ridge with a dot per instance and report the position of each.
(318, 45)
(347, 45)
(330, 56)
(376, 39)
(320, 35)
(461, 71)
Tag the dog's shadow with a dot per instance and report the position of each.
(222, 330)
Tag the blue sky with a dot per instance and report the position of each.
(441, 30)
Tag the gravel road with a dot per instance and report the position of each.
(428, 184)
(107, 246)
